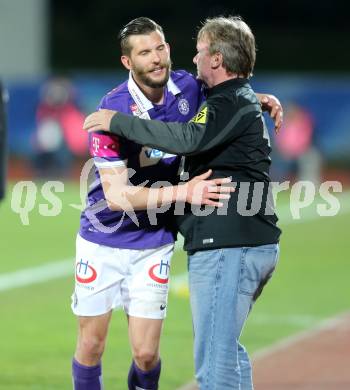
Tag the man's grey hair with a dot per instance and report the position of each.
(233, 38)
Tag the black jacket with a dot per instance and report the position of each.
(229, 136)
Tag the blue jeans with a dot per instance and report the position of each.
(224, 284)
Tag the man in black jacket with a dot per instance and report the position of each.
(232, 254)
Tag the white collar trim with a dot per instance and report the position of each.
(172, 87)
(142, 102)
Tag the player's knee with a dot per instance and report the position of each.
(145, 358)
(92, 347)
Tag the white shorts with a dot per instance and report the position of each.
(108, 278)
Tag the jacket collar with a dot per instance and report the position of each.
(231, 83)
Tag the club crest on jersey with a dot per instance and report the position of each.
(160, 272)
(184, 106)
(84, 272)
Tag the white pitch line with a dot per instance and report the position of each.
(33, 275)
(62, 268)
(298, 320)
(327, 324)
(278, 346)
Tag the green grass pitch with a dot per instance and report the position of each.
(38, 329)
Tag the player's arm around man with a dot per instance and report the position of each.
(199, 191)
(231, 256)
(144, 333)
(123, 258)
(102, 119)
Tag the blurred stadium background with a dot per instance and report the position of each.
(57, 60)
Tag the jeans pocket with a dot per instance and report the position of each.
(257, 266)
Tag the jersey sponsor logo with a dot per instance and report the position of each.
(153, 153)
(104, 145)
(135, 110)
(149, 156)
(84, 272)
(160, 272)
(162, 307)
(95, 144)
(201, 117)
(183, 106)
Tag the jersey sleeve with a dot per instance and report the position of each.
(102, 103)
(106, 150)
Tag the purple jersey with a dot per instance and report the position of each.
(135, 230)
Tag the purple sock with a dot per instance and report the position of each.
(85, 377)
(144, 380)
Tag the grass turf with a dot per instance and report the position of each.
(38, 329)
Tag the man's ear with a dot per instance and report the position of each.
(125, 60)
(216, 60)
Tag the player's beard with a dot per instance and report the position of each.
(143, 75)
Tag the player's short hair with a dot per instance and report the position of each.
(138, 26)
(233, 38)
